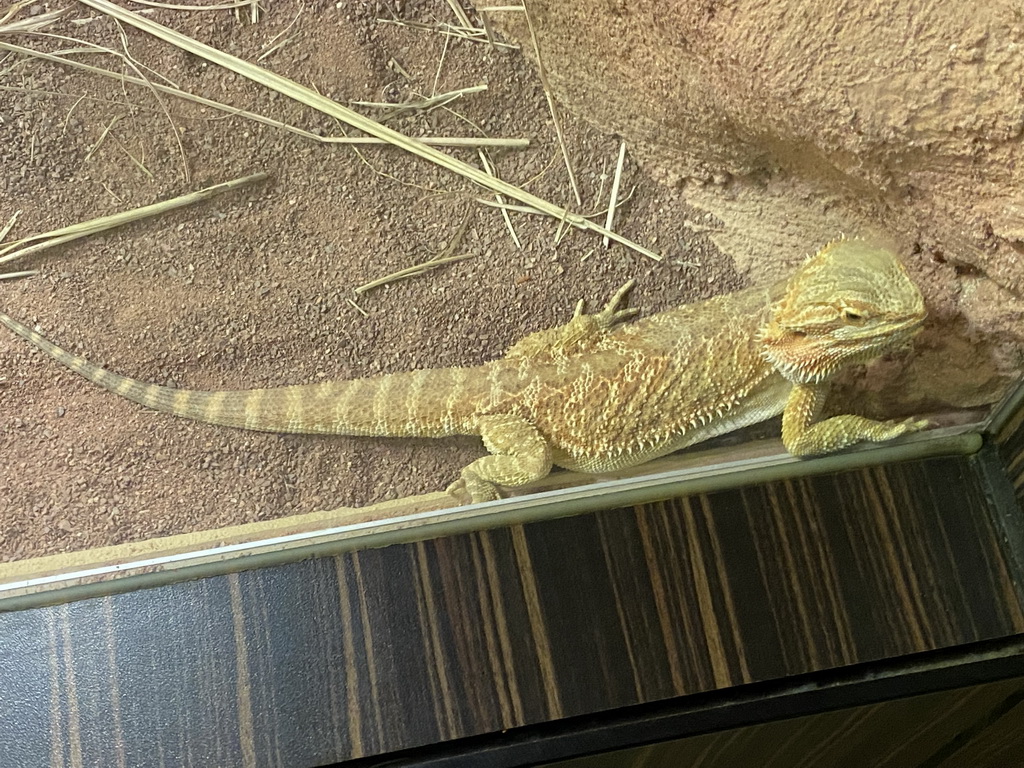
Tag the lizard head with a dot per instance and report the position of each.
(848, 303)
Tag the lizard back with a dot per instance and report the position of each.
(655, 385)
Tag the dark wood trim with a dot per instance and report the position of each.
(1006, 428)
(955, 670)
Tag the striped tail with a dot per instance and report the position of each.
(426, 403)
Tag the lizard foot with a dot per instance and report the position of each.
(616, 311)
(803, 437)
(480, 491)
(580, 333)
(890, 429)
(519, 454)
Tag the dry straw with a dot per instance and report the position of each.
(446, 256)
(440, 141)
(542, 73)
(315, 100)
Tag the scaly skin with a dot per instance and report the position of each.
(599, 394)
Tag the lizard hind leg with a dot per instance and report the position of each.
(580, 333)
(519, 455)
(617, 310)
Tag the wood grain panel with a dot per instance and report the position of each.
(386, 649)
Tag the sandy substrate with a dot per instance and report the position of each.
(251, 289)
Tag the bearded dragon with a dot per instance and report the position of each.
(599, 393)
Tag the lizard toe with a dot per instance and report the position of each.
(915, 425)
(458, 492)
(904, 427)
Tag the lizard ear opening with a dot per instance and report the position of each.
(777, 335)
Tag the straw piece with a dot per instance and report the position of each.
(488, 32)
(102, 138)
(460, 14)
(15, 275)
(109, 191)
(433, 141)
(357, 308)
(35, 243)
(440, 65)
(32, 23)
(446, 256)
(67, 117)
(413, 271)
(533, 211)
(560, 232)
(182, 7)
(138, 67)
(138, 163)
(395, 66)
(501, 202)
(279, 41)
(615, 191)
(474, 35)
(9, 225)
(509, 206)
(425, 104)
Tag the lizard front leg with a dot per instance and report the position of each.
(803, 437)
(519, 455)
(580, 331)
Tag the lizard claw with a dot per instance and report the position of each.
(915, 425)
(617, 309)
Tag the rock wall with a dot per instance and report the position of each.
(791, 122)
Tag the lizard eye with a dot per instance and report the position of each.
(852, 316)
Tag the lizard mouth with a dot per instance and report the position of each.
(863, 347)
(869, 345)
(892, 331)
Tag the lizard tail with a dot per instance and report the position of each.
(426, 403)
